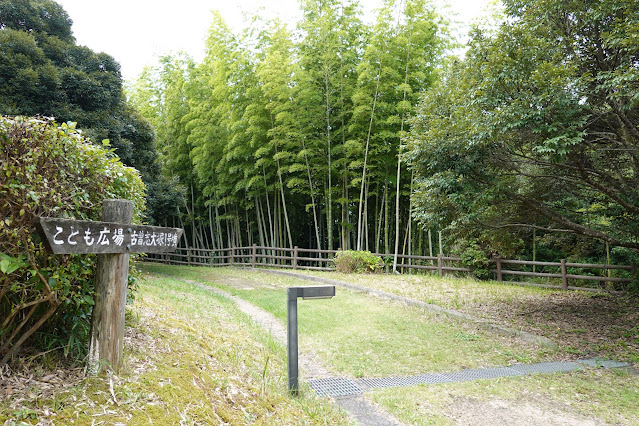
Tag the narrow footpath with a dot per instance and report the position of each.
(349, 394)
(355, 404)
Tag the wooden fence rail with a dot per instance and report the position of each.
(314, 259)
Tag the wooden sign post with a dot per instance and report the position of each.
(112, 240)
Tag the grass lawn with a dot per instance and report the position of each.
(583, 324)
(591, 396)
(191, 357)
(361, 336)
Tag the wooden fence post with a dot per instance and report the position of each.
(232, 258)
(112, 275)
(440, 269)
(564, 273)
(498, 263)
(295, 249)
(254, 255)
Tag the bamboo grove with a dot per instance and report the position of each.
(289, 138)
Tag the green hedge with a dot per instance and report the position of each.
(48, 169)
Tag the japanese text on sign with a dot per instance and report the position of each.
(73, 236)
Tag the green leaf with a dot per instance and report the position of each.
(4, 266)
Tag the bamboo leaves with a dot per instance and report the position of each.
(290, 126)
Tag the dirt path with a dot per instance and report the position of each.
(358, 407)
(538, 410)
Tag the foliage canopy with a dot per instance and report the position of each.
(287, 138)
(51, 170)
(537, 127)
(43, 72)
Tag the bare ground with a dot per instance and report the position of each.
(584, 324)
(537, 411)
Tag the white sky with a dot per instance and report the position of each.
(137, 32)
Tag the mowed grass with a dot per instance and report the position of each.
(362, 336)
(450, 292)
(357, 335)
(191, 358)
(591, 396)
(583, 324)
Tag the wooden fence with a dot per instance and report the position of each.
(313, 259)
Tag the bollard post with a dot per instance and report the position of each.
(291, 320)
(292, 293)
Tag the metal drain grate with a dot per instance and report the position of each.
(341, 387)
(481, 373)
(334, 387)
(390, 382)
(546, 367)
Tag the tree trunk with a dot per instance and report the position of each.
(286, 222)
(268, 209)
(430, 246)
(365, 223)
(368, 138)
(310, 186)
(379, 216)
(186, 241)
(238, 230)
(260, 223)
(229, 235)
(211, 229)
(192, 215)
(220, 240)
(329, 192)
(386, 222)
(399, 165)
(346, 237)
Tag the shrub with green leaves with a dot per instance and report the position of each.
(349, 261)
(51, 170)
(473, 257)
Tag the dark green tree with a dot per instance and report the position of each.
(43, 72)
(537, 128)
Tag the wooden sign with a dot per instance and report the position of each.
(69, 236)
(112, 240)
